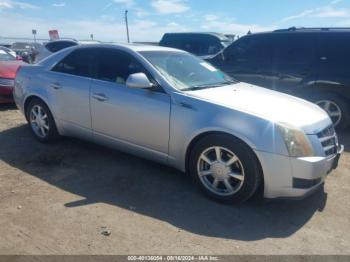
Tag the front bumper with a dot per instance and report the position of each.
(288, 177)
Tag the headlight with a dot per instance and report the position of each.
(297, 143)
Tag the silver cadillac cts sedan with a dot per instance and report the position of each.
(169, 106)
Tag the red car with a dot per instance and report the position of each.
(9, 65)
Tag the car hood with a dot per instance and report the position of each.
(8, 69)
(268, 104)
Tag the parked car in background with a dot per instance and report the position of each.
(52, 47)
(8, 68)
(172, 107)
(205, 45)
(312, 63)
(58, 45)
(11, 52)
(27, 51)
(5, 45)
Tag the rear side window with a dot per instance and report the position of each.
(80, 63)
(199, 45)
(254, 49)
(335, 48)
(294, 48)
(58, 46)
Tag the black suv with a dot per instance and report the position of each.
(312, 63)
(205, 45)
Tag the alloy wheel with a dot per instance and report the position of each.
(39, 121)
(332, 109)
(220, 171)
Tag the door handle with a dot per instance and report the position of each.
(100, 97)
(56, 86)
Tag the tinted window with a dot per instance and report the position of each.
(199, 45)
(58, 46)
(80, 63)
(202, 46)
(116, 66)
(334, 48)
(294, 48)
(251, 49)
(21, 46)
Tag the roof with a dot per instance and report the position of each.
(218, 35)
(134, 47)
(293, 30)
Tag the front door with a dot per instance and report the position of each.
(136, 119)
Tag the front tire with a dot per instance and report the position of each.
(41, 122)
(225, 168)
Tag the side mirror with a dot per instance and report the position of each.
(139, 81)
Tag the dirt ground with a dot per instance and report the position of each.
(78, 198)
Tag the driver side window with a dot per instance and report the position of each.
(116, 66)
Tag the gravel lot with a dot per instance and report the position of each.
(78, 198)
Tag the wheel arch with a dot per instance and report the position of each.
(324, 88)
(202, 135)
(29, 99)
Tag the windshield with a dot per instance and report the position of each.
(185, 71)
(5, 56)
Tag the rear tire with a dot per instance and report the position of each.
(41, 122)
(225, 168)
(336, 107)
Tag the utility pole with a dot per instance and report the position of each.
(127, 25)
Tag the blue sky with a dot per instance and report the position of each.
(150, 19)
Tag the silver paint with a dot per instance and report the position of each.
(161, 126)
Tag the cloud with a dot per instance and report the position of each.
(141, 12)
(170, 6)
(59, 4)
(332, 12)
(343, 23)
(9, 4)
(211, 17)
(321, 12)
(104, 28)
(126, 3)
(173, 24)
(300, 15)
(334, 2)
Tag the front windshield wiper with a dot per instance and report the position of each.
(205, 86)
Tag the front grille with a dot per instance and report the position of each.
(329, 140)
(7, 82)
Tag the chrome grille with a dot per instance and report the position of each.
(329, 140)
(7, 82)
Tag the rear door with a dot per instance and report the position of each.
(293, 60)
(333, 66)
(70, 82)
